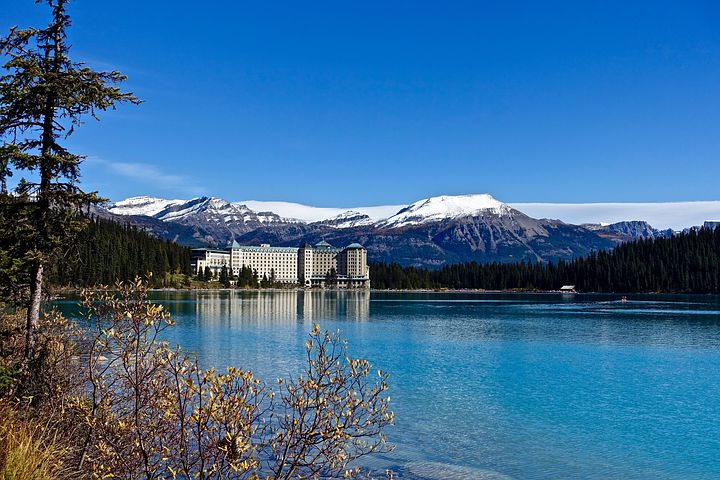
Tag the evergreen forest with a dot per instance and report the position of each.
(685, 263)
(109, 252)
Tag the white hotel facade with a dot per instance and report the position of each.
(308, 265)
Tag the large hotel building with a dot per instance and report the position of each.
(309, 265)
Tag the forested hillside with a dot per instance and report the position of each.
(108, 252)
(689, 262)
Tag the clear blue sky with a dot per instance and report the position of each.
(338, 103)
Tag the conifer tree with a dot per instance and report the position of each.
(224, 276)
(108, 252)
(44, 96)
(687, 262)
(331, 277)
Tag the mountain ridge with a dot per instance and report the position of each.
(430, 232)
(677, 215)
(438, 207)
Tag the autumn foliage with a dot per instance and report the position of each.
(148, 410)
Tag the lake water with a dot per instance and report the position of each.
(499, 386)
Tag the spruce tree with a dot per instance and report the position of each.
(331, 277)
(224, 276)
(44, 96)
(688, 262)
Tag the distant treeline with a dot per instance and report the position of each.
(108, 252)
(688, 262)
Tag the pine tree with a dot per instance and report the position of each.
(44, 96)
(224, 276)
(687, 262)
(331, 277)
(108, 252)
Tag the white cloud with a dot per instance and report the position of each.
(151, 174)
(675, 215)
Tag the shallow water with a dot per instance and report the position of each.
(500, 386)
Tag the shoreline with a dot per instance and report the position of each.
(65, 290)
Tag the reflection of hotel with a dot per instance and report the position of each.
(309, 265)
(321, 306)
(282, 306)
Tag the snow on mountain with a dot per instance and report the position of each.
(307, 213)
(212, 220)
(349, 219)
(675, 215)
(148, 206)
(445, 207)
(217, 206)
(177, 210)
(445, 229)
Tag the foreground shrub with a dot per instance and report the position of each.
(331, 415)
(114, 401)
(52, 372)
(152, 412)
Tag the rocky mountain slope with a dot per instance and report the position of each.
(430, 232)
(214, 221)
(622, 232)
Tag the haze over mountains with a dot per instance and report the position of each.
(430, 232)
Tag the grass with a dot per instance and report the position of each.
(28, 450)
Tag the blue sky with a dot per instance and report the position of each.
(335, 103)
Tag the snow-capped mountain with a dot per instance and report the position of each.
(483, 237)
(311, 214)
(445, 207)
(177, 210)
(148, 206)
(349, 219)
(220, 211)
(215, 220)
(430, 232)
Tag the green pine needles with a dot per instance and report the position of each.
(44, 97)
(684, 263)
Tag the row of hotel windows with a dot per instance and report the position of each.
(321, 263)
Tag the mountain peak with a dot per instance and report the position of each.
(348, 219)
(443, 207)
(142, 205)
(442, 229)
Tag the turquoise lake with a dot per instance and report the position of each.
(499, 386)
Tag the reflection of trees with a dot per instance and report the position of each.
(318, 305)
(273, 307)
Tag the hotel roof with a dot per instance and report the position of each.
(204, 249)
(247, 248)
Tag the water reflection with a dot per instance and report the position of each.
(522, 386)
(280, 307)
